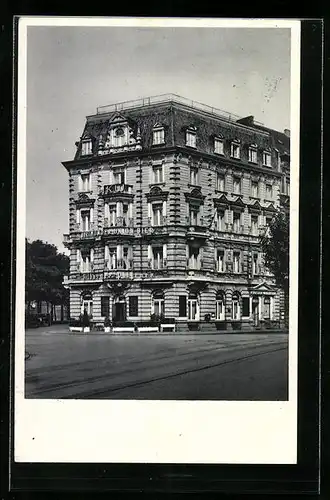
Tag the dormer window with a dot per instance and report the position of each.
(119, 137)
(158, 135)
(235, 150)
(218, 146)
(266, 159)
(86, 147)
(191, 137)
(85, 183)
(253, 153)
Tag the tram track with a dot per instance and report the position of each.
(101, 393)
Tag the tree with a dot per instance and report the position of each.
(275, 246)
(45, 269)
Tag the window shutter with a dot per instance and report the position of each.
(249, 220)
(119, 251)
(164, 208)
(106, 254)
(78, 259)
(165, 254)
(106, 210)
(149, 209)
(187, 255)
(215, 258)
(92, 258)
(80, 186)
(92, 215)
(182, 306)
(78, 216)
(200, 258)
(111, 176)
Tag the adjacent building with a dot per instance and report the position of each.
(167, 200)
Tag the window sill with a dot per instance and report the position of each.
(152, 184)
(158, 144)
(218, 154)
(191, 147)
(221, 191)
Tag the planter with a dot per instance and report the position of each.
(87, 329)
(107, 329)
(167, 327)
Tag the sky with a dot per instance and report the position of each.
(72, 70)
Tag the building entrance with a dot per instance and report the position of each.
(119, 311)
(255, 311)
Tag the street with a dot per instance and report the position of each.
(227, 366)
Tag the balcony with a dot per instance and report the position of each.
(115, 189)
(89, 277)
(196, 228)
(79, 235)
(119, 229)
(153, 230)
(118, 274)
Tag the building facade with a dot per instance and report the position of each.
(167, 200)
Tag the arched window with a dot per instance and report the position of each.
(236, 308)
(193, 306)
(220, 306)
(158, 304)
(119, 137)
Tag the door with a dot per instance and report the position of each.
(255, 311)
(119, 311)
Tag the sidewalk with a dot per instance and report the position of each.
(64, 329)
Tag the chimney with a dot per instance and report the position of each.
(287, 132)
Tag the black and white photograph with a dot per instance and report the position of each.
(158, 180)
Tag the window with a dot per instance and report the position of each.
(236, 313)
(194, 176)
(191, 138)
(235, 150)
(236, 185)
(85, 217)
(193, 257)
(255, 267)
(254, 189)
(218, 146)
(182, 306)
(269, 191)
(157, 214)
(86, 147)
(125, 264)
(220, 182)
(157, 257)
(246, 307)
(220, 261)
(266, 307)
(236, 222)
(112, 215)
(287, 188)
(157, 174)
(158, 135)
(85, 263)
(158, 306)
(253, 155)
(220, 306)
(105, 307)
(236, 262)
(193, 215)
(85, 182)
(133, 305)
(254, 225)
(268, 221)
(193, 308)
(119, 137)
(220, 220)
(110, 257)
(87, 305)
(119, 176)
(266, 159)
(125, 214)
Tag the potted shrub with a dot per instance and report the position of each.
(75, 325)
(86, 322)
(107, 325)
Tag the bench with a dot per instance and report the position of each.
(167, 327)
(123, 329)
(148, 329)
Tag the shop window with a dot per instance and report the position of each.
(133, 305)
(246, 307)
(105, 307)
(220, 306)
(182, 306)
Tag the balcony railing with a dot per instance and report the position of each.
(89, 276)
(112, 189)
(119, 230)
(118, 274)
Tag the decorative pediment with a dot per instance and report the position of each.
(195, 195)
(156, 193)
(238, 203)
(256, 206)
(270, 208)
(263, 287)
(84, 200)
(222, 200)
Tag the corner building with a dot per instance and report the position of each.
(167, 199)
